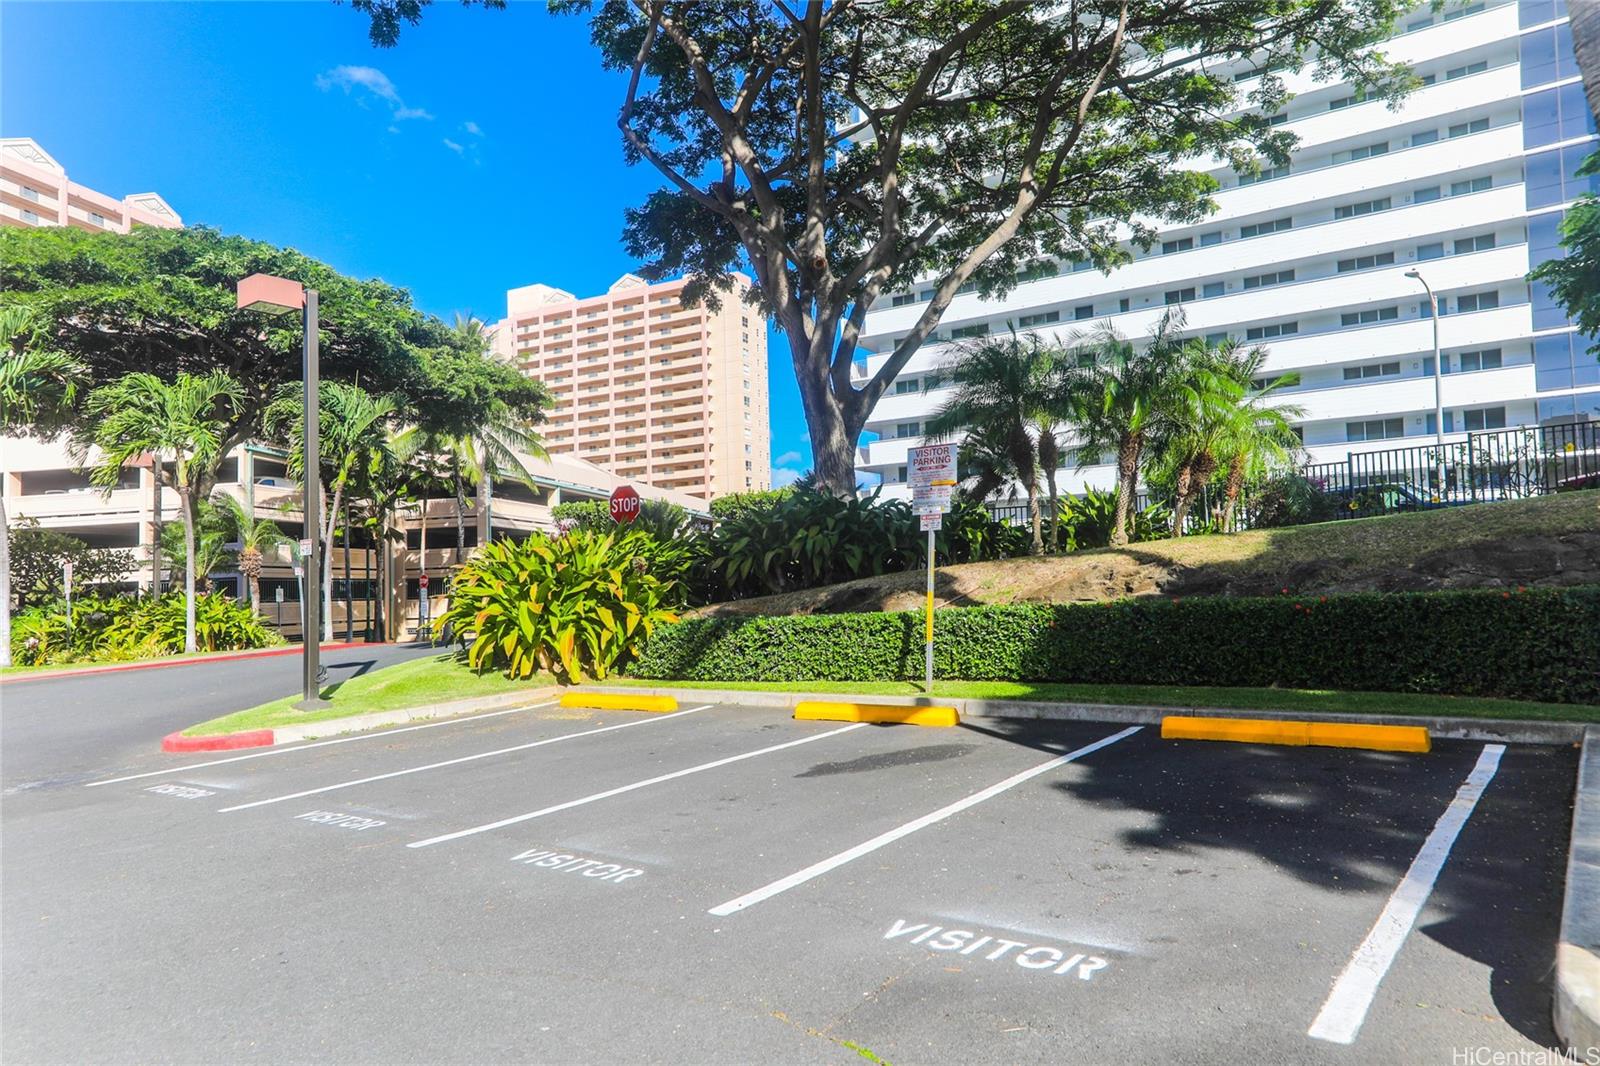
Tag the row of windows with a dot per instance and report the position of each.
(1473, 420)
(1563, 361)
(1553, 115)
(1547, 56)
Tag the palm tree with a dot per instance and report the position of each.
(1002, 388)
(254, 536)
(984, 459)
(495, 447)
(1259, 434)
(37, 390)
(211, 538)
(354, 428)
(1200, 415)
(1118, 392)
(183, 420)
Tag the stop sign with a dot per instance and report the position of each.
(422, 581)
(624, 504)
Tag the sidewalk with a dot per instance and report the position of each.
(1577, 991)
(177, 660)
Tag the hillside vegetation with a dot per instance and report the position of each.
(1548, 542)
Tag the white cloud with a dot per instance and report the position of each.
(788, 459)
(783, 475)
(368, 83)
(453, 146)
(472, 128)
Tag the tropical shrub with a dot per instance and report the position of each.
(37, 555)
(675, 545)
(1086, 520)
(572, 605)
(738, 503)
(118, 628)
(1289, 499)
(1540, 644)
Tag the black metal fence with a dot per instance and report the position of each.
(1506, 464)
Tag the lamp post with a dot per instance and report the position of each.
(1438, 381)
(263, 292)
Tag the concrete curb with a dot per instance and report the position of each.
(193, 660)
(1576, 1011)
(1489, 729)
(357, 723)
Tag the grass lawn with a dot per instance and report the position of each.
(433, 679)
(1254, 699)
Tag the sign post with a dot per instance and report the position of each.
(422, 601)
(624, 504)
(932, 473)
(277, 609)
(66, 583)
(300, 586)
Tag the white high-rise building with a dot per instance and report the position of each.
(1466, 182)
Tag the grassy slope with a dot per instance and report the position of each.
(434, 679)
(1394, 552)
(1258, 699)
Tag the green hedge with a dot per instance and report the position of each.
(1539, 644)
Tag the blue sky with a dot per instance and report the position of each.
(480, 154)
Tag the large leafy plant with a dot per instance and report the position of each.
(572, 605)
(1087, 521)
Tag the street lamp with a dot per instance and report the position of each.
(276, 296)
(1438, 379)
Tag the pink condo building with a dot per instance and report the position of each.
(35, 191)
(646, 387)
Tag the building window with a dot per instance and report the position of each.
(1377, 429)
(1178, 296)
(924, 296)
(905, 385)
(1484, 418)
(1481, 243)
(1277, 329)
(1369, 316)
(1462, 129)
(1354, 98)
(1213, 289)
(1423, 137)
(1462, 12)
(1430, 251)
(1471, 68)
(900, 474)
(1040, 318)
(1372, 370)
(1477, 301)
(1366, 262)
(971, 286)
(1182, 244)
(1366, 151)
(1081, 264)
(1266, 174)
(900, 299)
(1214, 339)
(1364, 207)
(976, 329)
(1484, 359)
(1123, 305)
(1462, 188)
(1208, 239)
(1261, 281)
(1426, 194)
(29, 216)
(1277, 120)
(1261, 229)
(907, 429)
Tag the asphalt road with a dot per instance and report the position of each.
(730, 885)
(55, 729)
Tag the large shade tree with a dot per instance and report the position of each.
(844, 149)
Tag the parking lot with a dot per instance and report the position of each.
(726, 884)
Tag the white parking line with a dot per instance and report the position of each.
(1342, 1015)
(629, 788)
(288, 749)
(462, 759)
(818, 869)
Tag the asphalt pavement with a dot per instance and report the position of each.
(726, 884)
(55, 729)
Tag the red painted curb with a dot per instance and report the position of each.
(250, 738)
(224, 657)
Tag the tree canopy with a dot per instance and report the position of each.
(1574, 279)
(844, 149)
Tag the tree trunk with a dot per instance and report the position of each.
(1033, 518)
(1586, 48)
(326, 533)
(185, 506)
(1182, 498)
(1050, 459)
(1231, 495)
(5, 582)
(422, 559)
(461, 518)
(1127, 485)
(488, 508)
